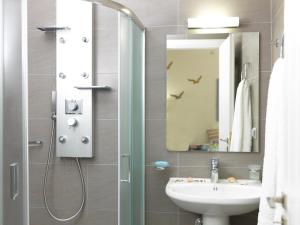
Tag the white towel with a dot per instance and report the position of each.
(241, 138)
(272, 175)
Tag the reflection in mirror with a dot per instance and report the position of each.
(213, 92)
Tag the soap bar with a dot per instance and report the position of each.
(161, 165)
(231, 179)
(190, 179)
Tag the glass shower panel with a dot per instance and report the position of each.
(125, 77)
(1, 114)
(131, 123)
(1, 110)
(138, 126)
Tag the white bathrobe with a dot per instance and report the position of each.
(241, 137)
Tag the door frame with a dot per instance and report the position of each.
(14, 89)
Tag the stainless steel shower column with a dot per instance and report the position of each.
(74, 79)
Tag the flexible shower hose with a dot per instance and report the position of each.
(50, 155)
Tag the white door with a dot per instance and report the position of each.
(292, 77)
(226, 92)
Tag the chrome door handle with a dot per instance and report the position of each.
(277, 199)
(225, 140)
(104, 88)
(14, 180)
(128, 180)
(283, 221)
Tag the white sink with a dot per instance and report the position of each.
(216, 202)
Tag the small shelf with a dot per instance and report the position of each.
(35, 144)
(53, 29)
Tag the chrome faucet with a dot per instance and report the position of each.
(214, 170)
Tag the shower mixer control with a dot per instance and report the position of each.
(75, 59)
(72, 122)
(73, 106)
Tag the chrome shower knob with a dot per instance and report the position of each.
(85, 39)
(62, 75)
(62, 139)
(62, 40)
(85, 140)
(72, 122)
(85, 75)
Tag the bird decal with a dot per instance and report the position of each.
(177, 96)
(195, 81)
(170, 65)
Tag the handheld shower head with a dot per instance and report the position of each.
(53, 104)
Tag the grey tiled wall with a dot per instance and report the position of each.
(277, 25)
(161, 18)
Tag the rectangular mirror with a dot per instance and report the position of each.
(213, 92)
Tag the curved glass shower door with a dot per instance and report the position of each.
(131, 122)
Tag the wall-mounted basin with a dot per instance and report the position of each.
(214, 201)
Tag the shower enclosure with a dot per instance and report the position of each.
(14, 149)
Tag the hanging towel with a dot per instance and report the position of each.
(272, 177)
(241, 138)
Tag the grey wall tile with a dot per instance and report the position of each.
(40, 216)
(238, 172)
(106, 102)
(226, 159)
(106, 142)
(277, 30)
(156, 91)
(41, 52)
(187, 218)
(96, 217)
(249, 11)
(106, 50)
(154, 218)
(63, 189)
(155, 143)
(201, 172)
(39, 96)
(41, 13)
(39, 130)
(195, 158)
(156, 180)
(204, 172)
(102, 187)
(103, 14)
(154, 12)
